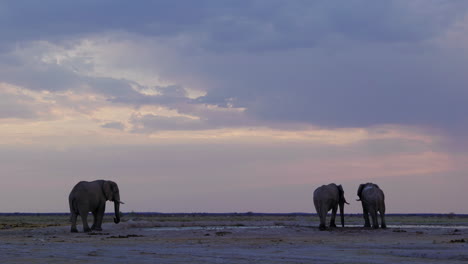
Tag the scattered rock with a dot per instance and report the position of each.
(458, 241)
(399, 231)
(223, 233)
(147, 253)
(92, 253)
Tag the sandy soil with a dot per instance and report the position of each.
(140, 241)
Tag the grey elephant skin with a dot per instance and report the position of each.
(373, 202)
(91, 197)
(326, 198)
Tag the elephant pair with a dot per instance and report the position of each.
(329, 197)
(91, 197)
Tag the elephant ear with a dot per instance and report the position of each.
(107, 189)
(341, 193)
(359, 191)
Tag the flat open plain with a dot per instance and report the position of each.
(199, 238)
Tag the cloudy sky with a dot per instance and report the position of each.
(234, 106)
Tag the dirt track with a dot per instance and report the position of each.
(246, 242)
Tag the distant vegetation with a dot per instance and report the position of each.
(35, 220)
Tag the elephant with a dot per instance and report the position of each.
(326, 198)
(91, 197)
(373, 201)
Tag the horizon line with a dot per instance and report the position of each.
(231, 213)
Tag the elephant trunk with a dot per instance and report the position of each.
(342, 213)
(117, 212)
(117, 203)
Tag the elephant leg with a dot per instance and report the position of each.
(333, 216)
(375, 223)
(323, 219)
(93, 227)
(318, 208)
(99, 217)
(365, 214)
(322, 225)
(73, 219)
(84, 218)
(382, 219)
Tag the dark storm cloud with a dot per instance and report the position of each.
(259, 24)
(47, 77)
(53, 19)
(360, 85)
(339, 64)
(53, 77)
(367, 88)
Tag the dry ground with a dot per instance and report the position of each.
(243, 239)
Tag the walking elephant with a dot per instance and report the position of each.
(326, 198)
(91, 197)
(373, 201)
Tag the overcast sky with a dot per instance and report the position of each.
(234, 106)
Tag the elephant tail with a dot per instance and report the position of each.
(73, 207)
(318, 208)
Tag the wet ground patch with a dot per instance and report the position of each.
(458, 241)
(126, 236)
(185, 228)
